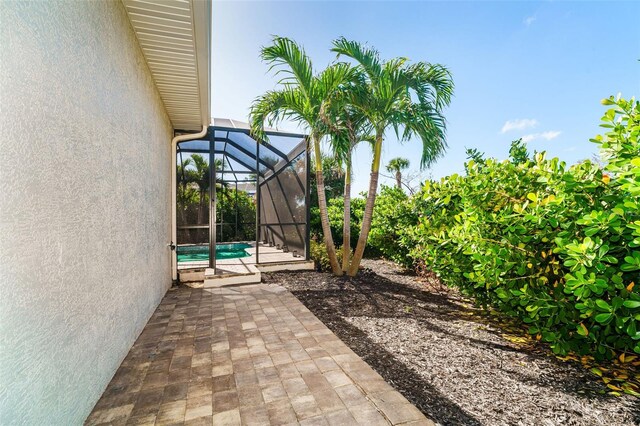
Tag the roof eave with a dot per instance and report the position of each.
(202, 31)
(175, 38)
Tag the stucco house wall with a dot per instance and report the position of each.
(84, 204)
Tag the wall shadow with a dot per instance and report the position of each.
(377, 296)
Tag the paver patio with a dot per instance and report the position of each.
(251, 355)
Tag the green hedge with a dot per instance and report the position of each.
(335, 209)
(556, 246)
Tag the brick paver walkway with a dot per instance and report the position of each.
(251, 355)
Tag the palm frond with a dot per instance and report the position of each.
(428, 124)
(367, 57)
(289, 58)
(336, 76)
(340, 147)
(275, 106)
(431, 82)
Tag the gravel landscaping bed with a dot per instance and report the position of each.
(452, 362)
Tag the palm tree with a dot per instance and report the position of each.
(348, 128)
(406, 97)
(194, 171)
(183, 173)
(301, 99)
(185, 194)
(200, 176)
(397, 165)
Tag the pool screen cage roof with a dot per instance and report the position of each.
(254, 192)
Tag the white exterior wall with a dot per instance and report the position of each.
(84, 204)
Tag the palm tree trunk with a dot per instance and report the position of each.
(399, 179)
(201, 205)
(346, 230)
(368, 209)
(324, 214)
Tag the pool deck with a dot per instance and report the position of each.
(245, 355)
(242, 270)
(267, 255)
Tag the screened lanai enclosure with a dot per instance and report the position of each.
(240, 199)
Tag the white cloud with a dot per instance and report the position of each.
(548, 135)
(519, 124)
(529, 20)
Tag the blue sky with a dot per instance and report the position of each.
(522, 69)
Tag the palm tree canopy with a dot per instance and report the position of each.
(201, 173)
(397, 164)
(406, 97)
(302, 93)
(347, 127)
(183, 170)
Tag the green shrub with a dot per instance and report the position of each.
(603, 257)
(318, 253)
(393, 214)
(555, 246)
(335, 209)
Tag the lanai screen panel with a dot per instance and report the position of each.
(283, 193)
(235, 201)
(192, 193)
(231, 188)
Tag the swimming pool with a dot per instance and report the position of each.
(223, 251)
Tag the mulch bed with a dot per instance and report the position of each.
(448, 358)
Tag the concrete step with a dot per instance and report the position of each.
(239, 274)
(191, 275)
(225, 279)
(287, 266)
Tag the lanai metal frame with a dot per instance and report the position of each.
(280, 167)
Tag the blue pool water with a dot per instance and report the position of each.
(223, 251)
